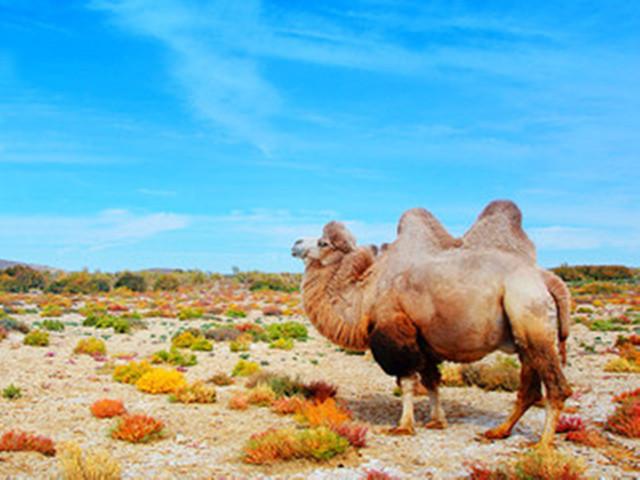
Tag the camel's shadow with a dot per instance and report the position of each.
(384, 410)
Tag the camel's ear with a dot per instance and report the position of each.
(339, 236)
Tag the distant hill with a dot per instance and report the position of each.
(10, 263)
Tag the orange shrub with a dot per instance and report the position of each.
(625, 420)
(327, 413)
(138, 429)
(107, 408)
(17, 441)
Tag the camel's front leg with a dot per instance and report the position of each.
(406, 426)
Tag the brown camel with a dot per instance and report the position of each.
(430, 297)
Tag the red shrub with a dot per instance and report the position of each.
(320, 391)
(374, 474)
(137, 429)
(626, 419)
(16, 441)
(569, 424)
(628, 395)
(356, 434)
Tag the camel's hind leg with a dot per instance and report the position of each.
(430, 377)
(529, 393)
(535, 336)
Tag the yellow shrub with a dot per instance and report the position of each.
(90, 346)
(198, 392)
(160, 380)
(621, 365)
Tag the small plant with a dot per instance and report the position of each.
(356, 435)
(222, 334)
(621, 365)
(190, 313)
(160, 380)
(17, 441)
(131, 372)
(90, 346)
(320, 390)
(548, 464)
(282, 385)
(37, 338)
(221, 380)
(240, 345)
(628, 395)
(11, 392)
(53, 325)
(11, 324)
(282, 344)
(52, 311)
(588, 437)
(138, 429)
(197, 392)
(245, 368)
(107, 408)
(201, 344)
(605, 325)
(451, 374)
(288, 405)
(174, 357)
(95, 464)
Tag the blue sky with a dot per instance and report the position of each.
(211, 134)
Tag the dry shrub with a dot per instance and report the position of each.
(261, 395)
(451, 375)
(198, 392)
(221, 380)
(271, 446)
(240, 401)
(160, 380)
(95, 464)
(327, 413)
(502, 374)
(138, 429)
(17, 441)
(107, 408)
(288, 405)
(321, 390)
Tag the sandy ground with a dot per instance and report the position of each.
(205, 440)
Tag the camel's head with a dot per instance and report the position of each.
(335, 242)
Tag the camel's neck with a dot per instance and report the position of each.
(333, 300)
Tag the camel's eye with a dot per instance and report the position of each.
(323, 243)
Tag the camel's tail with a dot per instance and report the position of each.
(562, 298)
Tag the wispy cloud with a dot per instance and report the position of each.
(106, 229)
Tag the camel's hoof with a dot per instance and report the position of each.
(497, 433)
(401, 431)
(436, 424)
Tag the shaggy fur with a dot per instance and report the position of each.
(430, 297)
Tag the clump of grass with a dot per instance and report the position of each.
(95, 464)
(90, 346)
(108, 408)
(502, 374)
(18, 441)
(197, 392)
(37, 338)
(245, 368)
(11, 392)
(138, 429)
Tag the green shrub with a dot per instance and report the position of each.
(201, 344)
(190, 313)
(295, 330)
(174, 357)
(282, 344)
(245, 368)
(53, 325)
(132, 281)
